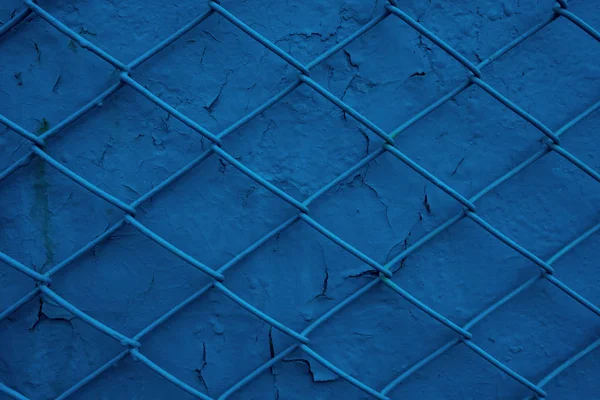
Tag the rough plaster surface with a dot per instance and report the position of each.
(216, 74)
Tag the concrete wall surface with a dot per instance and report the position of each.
(436, 289)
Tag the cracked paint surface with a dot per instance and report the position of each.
(216, 74)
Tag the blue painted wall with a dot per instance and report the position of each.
(216, 74)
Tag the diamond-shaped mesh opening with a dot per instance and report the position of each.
(539, 227)
(278, 278)
(355, 208)
(201, 76)
(141, 140)
(542, 329)
(38, 227)
(465, 144)
(404, 67)
(46, 76)
(144, 285)
(527, 74)
(216, 331)
(226, 318)
(476, 284)
(307, 149)
(224, 214)
(377, 342)
(443, 378)
(382, 205)
(33, 340)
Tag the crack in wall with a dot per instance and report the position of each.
(40, 210)
(323, 293)
(458, 166)
(311, 372)
(379, 197)
(272, 355)
(211, 104)
(198, 371)
(426, 200)
(42, 316)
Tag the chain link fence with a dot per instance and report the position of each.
(382, 273)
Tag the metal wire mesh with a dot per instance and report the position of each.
(132, 346)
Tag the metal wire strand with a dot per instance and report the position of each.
(392, 8)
